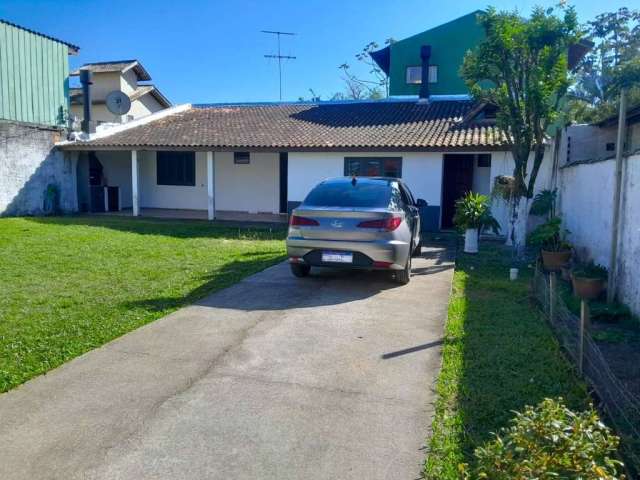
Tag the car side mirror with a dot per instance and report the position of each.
(421, 203)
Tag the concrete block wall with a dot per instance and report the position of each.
(28, 164)
(586, 206)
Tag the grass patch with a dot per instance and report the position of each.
(70, 284)
(499, 355)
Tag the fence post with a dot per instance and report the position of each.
(552, 296)
(584, 321)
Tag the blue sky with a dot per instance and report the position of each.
(212, 51)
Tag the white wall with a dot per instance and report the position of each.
(586, 206)
(422, 171)
(247, 188)
(153, 195)
(117, 170)
(482, 178)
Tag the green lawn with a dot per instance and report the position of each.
(499, 355)
(71, 284)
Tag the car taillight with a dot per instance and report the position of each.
(389, 224)
(295, 221)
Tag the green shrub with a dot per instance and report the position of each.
(590, 270)
(473, 211)
(550, 442)
(549, 236)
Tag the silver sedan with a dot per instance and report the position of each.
(368, 223)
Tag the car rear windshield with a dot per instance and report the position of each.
(369, 195)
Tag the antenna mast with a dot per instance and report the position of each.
(279, 56)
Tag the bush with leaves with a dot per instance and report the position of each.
(550, 441)
(473, 211)
(549, 236)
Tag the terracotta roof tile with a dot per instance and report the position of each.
(357, 125)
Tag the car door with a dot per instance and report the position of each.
(412, 213)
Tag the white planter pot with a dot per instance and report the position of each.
(471, 240)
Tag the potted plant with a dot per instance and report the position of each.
(589, 280)
(555, 250)
(473, 215)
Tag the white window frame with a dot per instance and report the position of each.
(413, 74)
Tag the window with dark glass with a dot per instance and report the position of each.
(241, 158)
(373, 167)
(484, 160)
(176, 168)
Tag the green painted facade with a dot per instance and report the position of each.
(34, 77)
(449, 43)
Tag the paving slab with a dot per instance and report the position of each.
(276, 377)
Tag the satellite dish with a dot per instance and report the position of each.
(118, 102)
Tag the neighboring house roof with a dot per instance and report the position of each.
(381, 125)
(73, 49)
(116, 66)
(155, 93)
(75, 95)
(633, 116)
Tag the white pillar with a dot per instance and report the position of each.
(134, 182)
(211, 201)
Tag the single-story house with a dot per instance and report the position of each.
(262, 159)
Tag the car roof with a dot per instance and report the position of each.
(362, 180)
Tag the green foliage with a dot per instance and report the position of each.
(499, 355)
(614, 62)
(549, 236)
(525, 63)
(473, 211)
(544, 203)
(71, 284)
(590, 270)
(551, 441)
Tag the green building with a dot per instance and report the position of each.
(34, 76)
(446, 46)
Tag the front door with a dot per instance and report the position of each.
(457, 179)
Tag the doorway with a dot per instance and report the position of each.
(457, 179)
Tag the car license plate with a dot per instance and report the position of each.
(337, 257)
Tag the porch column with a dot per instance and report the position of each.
(134, 182)
(211, 199)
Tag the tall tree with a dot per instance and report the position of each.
(521, 67)
(375, 85)
(616, 38)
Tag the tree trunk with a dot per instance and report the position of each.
(519, 216)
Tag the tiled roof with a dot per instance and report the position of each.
(382, 125)
(116, 66)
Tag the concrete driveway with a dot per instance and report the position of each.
(328, 377)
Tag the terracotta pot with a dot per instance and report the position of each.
(554, 261)
(587, 288)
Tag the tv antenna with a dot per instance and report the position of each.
(279, 56)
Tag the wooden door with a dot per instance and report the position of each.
(457, 179)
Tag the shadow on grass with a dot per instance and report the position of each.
(171, 228)
(499, 355)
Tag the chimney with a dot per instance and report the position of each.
(425, 56)
(85, 81)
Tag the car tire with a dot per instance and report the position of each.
(404, 276)
(300, 271)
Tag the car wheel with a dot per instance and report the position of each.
(300, 270)
(404, 276)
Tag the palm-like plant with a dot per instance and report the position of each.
(474, 212)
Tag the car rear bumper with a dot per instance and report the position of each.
(377, 255)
